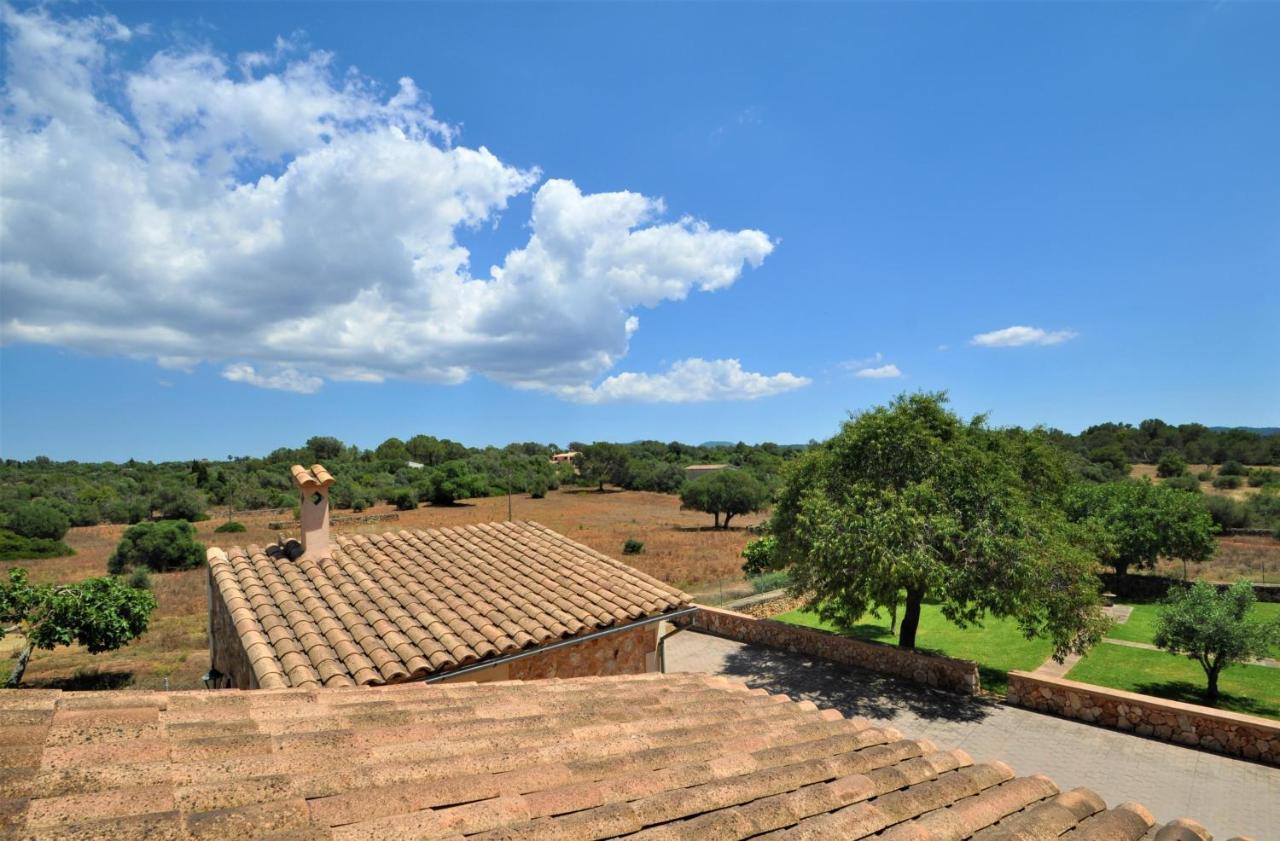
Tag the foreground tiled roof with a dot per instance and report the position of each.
(660, 756)
(391, 607)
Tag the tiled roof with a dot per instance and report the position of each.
(662, 756)
(391, 607)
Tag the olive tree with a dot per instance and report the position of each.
(729, 492)
(1214, 628)
(1135, 522)
(101, 614)
(908, 502)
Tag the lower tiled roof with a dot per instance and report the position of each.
(647, 756)
(403, 605)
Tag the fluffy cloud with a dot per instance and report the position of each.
(883, 372)
(275, 215)
(1018, 336)
(688, 381)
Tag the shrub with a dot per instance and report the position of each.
(1183, 483)
(1261, 478)
(632, 547)
(775, 580)
(139, 579)
(404, 499)
(1171, 464)
(230, 526)
(175, 502)
(1205, 475)
(359, 503)
(760, 555)
(160, 547)
(15, 547)
(1227, 482)
(39, 520)
(1232, 468)
(537, 487)
(1227, 513)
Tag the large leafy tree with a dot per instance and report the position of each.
(1135, 522)
(908, 502)
(1214, 628)
(729, 492)
(99, 613)
(603, 462)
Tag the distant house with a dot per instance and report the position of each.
(487, 602)
(693, 471)
(416, 465)
(561, 458)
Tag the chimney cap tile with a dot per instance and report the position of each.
(316, 477)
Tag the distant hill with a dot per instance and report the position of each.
(1256, 430)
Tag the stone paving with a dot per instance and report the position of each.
(1229, 796)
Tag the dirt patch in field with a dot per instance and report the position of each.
(1148, 471)
(680, 547)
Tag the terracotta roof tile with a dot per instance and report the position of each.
(661, 756)
(385, 608)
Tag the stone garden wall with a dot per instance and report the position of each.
(931, 670)
(1170, 721)
(1156, 586)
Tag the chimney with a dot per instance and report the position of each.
(313, 485)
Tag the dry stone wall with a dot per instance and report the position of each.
(1171, 721)
(931, 670)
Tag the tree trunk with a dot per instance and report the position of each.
(1122, 569)
(19, 669)
(726, 520)
(716, 514)
(910, 619)
(1211, 694)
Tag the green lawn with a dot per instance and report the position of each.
(1141, 625)
(998, 647)
(1254, 690)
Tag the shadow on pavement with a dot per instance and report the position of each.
(853, 691)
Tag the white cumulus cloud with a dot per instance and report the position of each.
(285, 218)
(1018, 336)
(883, 372)
(688, 381)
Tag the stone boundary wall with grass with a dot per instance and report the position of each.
(1157, 586)
(932, 670)
(1170, 721)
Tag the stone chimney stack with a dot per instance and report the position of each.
(313, 485)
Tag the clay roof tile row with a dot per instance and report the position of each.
(650, 756)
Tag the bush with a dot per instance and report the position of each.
(175, 502)
(139, 579)
(1261, 478)
(160, 547)
(359, 503)
(404, 499)
(1171, 464)
(1227, 513)
(15, 547)
(632, 547)
(760, 555)
(230, 526)
(1183, 483)
(1232, 468)
(1205, 475)
(537, 487)
(1227, 482)
(775, 580)
(38, 520)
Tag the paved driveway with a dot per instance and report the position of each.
(1230, 797)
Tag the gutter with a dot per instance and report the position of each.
(564, 643)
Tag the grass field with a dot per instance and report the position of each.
(679, 547)
(1254, 690)
(1148, 471)
(998, 647)
(1141, 624)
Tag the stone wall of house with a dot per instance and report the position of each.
(1171, 721)
(226, 653)
(1135, 586)
(931, 670)
(625, 653)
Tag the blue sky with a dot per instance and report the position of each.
(868, 188)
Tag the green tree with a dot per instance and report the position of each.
(325, 447)
(101, 614)
(602, 462)
(1214, 628)
(1233, 468)
(1171, 464)
(392, 449)
(455, 480)
(178, 502)
(38, 519)
(1134, 523)
(729, 492)
(908, 502)
(160, 547)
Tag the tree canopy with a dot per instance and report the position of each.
(99, 613)
(162, 546)
(727, 492)
(1214, 628)
(908, 502)
(1133, 523)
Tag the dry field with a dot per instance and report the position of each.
(1244, 558)
(679, 548)
(1148, 471)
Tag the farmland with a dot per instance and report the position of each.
(679, 547)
